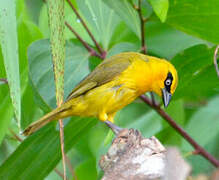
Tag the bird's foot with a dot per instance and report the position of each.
(115, 129)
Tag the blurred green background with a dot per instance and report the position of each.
(182, 31)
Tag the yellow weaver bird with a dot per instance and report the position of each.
(115, 83)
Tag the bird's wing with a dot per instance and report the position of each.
(104, 72)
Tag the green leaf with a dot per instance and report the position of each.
(177, 106)
(41, 151)
(27, 33)
(122, 47)
(33, 9)
(197, 77)
(123, 33)
(6, 115)
(160, 8)
(196, 17)
(30, 111)
(73, 20)
(41, 69)
(21, 12)
(128, 14)
(6, 108)
(203, 125)
(100, 18)
(89, 166)
(70, 17)
(136, 116)
(44, 21)
(8, 40)
(163, 40)
(168, 135)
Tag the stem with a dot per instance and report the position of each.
(68, 162)
(142, 21)
(143, 46)
(182, 132)
(59, 173)
(89, 49)
(15, 135)
(215, 60)
(101, 51)
(61, 130)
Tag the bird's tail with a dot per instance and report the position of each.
(56, 114)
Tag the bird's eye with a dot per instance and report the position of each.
(168, 82)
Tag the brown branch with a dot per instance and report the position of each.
(198, 149)
(4, 80)
(215, 60)
(101, 51)
(89, 49)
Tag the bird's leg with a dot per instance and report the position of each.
(115, 129)
(153, 99)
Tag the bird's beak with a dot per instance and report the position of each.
(166, 97)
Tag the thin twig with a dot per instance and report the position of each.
(89, 49)
(215, 60)
(59, 173)
(142, 21)
(101, 51)
(61, 130)
(68, 162)
(15, 135)
(181, 131)
(4, 80)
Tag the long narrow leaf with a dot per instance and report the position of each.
(8, 40)
(38, 155)
(57, 40)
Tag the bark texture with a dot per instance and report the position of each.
(133, 157)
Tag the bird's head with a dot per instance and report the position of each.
(166, 81)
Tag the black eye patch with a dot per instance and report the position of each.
(168, 81)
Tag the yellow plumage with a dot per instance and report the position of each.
(116, 82)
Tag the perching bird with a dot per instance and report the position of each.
(115, 83)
